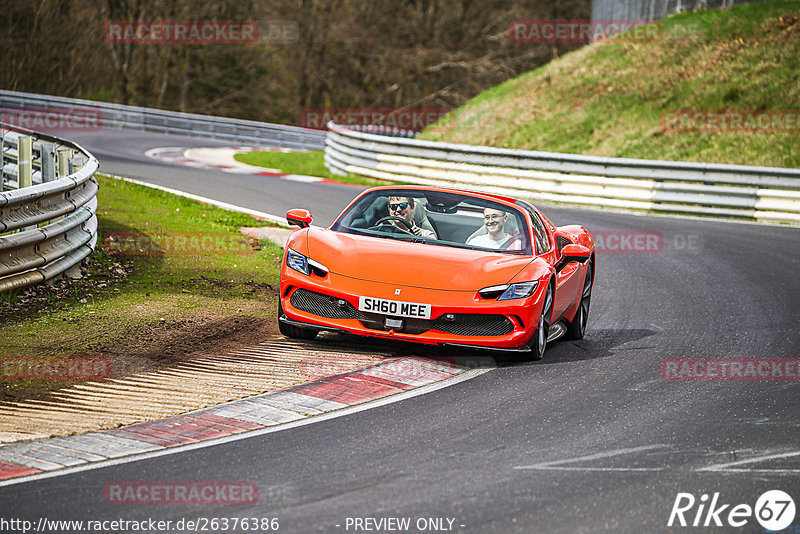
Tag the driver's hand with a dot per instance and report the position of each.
(416, 229)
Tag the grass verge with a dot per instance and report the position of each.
(168, 273)
(311, 163)
(609, 99)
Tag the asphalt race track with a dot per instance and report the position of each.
(121, 152)
(591, 439)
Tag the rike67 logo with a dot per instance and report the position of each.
(774, 510)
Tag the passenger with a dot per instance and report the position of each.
(404, 207)
(495, 236)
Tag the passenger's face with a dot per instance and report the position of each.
(400, 207)
(494, 220)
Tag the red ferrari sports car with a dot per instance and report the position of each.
(438, 266)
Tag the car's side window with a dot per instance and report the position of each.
(542, 242)
(539, 232)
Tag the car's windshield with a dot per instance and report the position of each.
(437, 218)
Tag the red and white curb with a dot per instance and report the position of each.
(242, 417)
(222, 159)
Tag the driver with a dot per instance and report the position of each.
(404, 207)
(495, 236)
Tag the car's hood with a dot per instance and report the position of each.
(411, 264)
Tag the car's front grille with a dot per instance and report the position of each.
(475, 324)
(323, 305)
(461, 324)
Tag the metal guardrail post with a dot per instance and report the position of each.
(76, 163)
(25, 162)
(64, 156)
(2, 157)
(74, 272)
(48, 162)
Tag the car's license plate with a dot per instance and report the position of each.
(394, 307)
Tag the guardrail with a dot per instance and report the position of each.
(109, 115)
(737, 191)
(46, 228)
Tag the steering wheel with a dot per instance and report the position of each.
(387, 221)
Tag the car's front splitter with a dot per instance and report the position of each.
(400, 337)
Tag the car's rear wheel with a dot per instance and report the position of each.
(292, 331)
(577, 328)
(538, 342)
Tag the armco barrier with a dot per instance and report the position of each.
(46, 229)
(37, 107)
(738, 191)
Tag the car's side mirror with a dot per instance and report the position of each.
(299, 217)
(573, 252)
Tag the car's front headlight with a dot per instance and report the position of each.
(297, 261)
(509, 291)
(519, 291)
(307, 266)
(493, 292)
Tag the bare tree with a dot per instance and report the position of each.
(349, 53)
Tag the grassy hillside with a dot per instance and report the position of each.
(610, 99)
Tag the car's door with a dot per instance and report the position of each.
(567, 280)
(569, 283)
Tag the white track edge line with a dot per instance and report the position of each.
(224, 205)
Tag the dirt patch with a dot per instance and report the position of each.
(250, 286)
(152, 347)
(231, 316)
(203, 332)
(145, 348)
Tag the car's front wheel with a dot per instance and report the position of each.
(292, 331)
(577, 328)
(538, 342)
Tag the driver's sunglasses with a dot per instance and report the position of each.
(400, 206)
